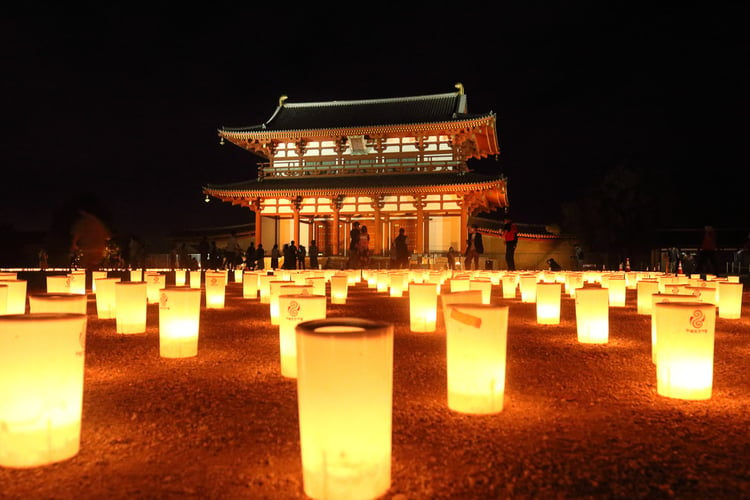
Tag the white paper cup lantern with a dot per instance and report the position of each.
(527, 285)
(396, 283)
(155, 282)
(548, 296)
(730, 299)
(58, 283)
(41, 387)
(476, 342)
(180, 277)
(510, 286)
(250, 285)
(284, 288)
(462, 297)
(422, 307)
(78, 282)
(195, 278)
(460, 283)
(136, 275)
(179, 322)
(644, 289)
(105, 297)
(294, 309)
(685, 358)
(264, 287)
(339, 288)
(58, 303)
(95, 275)
(484, 285)
(16, 303)
(655, 299)
(319, 284)
(3, 298)
(130, 307)
(216, 284)
(592, 315)
(345, 400)
(617, 288)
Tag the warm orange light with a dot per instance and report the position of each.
(16, 303)
(179, 321)
(527, 285)
(476, 340)
(339, 288)
(463, 297)
(484, 285)
(180, 277)
(41, 387)
(195, 279)
(250, 285)
(510, 285)
(730, 299)
(58, 283)
(155, 282)
(130, 306)
(548, 303)
(617, 288)
(294, 309)
(105, 297)
(592, 315)
(216, 283)
(684, 363)
(136, 275)
(422, 307)
(644, 289)
(57, 303)
(344, 394)
(78, 282)
(655, 299)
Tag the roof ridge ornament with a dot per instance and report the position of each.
(460, 87)
(282, 99)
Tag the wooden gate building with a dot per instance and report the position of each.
(387, 163)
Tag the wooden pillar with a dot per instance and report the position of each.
(464, 220)
(255, 207)
(377, 237)
(296, 205)
(336, 206)
(420, 204)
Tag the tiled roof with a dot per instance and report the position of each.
(328, 184)
(434, 108)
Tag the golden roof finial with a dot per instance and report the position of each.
(282, 99)
(460, 87)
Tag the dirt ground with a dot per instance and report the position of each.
(579, 421)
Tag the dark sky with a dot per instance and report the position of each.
(126, 104)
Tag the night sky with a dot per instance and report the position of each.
(125, 105)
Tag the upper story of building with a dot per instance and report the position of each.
(426, 134)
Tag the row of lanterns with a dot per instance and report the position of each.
(345, 438)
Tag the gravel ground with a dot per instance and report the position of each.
(580, 421)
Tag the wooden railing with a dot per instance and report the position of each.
(360, 167)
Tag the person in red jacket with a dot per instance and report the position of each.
(510, 235)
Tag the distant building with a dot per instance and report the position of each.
(386, 163)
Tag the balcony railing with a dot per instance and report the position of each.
(360, 167)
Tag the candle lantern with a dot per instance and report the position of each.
(216, 283)
(130, 306)
(105, 297)
(3, 298)
(180, 277)
(685, 358)
(396, 283)
(58, 303)
(476, 341)
(422, 306)
(155, 282)
(464, 297)
(644, 289)
(195, 278)
(284, 287)
(237, 275)
(78, 282)
(617, 290)
(8, 275)
(702, 293)
(730, 299)
(339, 288)
(345, 401)
(548, 303)
(655, 299)
(294, 309)
(136, 275)
(179, 320)
(460, 283)
(573, 281)
(318, 283)
(41, 387)
(264, 287)
(16, 303)
(383, 281)
(58, 283)
(484, 285)
(527, 284)
(250, 285)
(510, 285)
(95, 275)
(592, 315)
